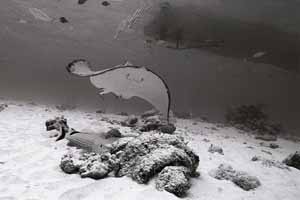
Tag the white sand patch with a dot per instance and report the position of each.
(29, 161)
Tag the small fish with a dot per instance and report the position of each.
(259, 54)
(39, 14)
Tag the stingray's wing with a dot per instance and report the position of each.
(128, 81)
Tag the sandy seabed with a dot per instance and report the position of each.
(29, 160)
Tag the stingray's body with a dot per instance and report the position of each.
(127, 81)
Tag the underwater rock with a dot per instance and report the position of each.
(65, 107)
(63, 20)
(90, 165)
(140, 158)
(118, 145)
(206, 140)
(123, 114)
(270, 145)
(130, 121)
(155, 122)
(70, 164)
(149, 127)
(213, 149)
(246, 182)
(95, 170)
(3, 106)
(255, 158)
(273, 145)
(183, 115)
(96, 166)
(174, 179)
(269, 163)
(100, 112)
(149, 165)
(110, 121)
(240, 178)
(224, 172)
(293, 160)
(155, 119)
(151, 152)
(113, 133)
(151, 123)
(168, 128)
(252, 118)
(266, 137)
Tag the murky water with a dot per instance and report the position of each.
(196, 27)
(204, 81)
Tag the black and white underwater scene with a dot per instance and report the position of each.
(149, 99)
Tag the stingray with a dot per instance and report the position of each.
(127, 81)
